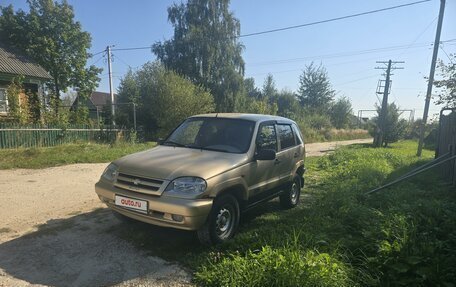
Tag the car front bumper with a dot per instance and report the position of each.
(162, 210)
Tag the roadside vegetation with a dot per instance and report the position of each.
(401, 236)
(67, 154)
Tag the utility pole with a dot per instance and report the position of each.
(111, 92)
(431, 77)
(378, 140)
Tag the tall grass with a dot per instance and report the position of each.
(66, 154)
(313, 135)
(402, 236)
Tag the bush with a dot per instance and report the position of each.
(287, 266)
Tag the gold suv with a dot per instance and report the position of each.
(206, 172)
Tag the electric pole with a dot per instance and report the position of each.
(381, 126)
(431, 77)
(111, 92)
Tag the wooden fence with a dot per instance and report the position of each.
(17, 136)
(446, 143)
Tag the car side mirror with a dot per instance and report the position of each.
(160, 141)
(265, 154)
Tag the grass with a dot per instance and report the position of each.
(337, 236)
(66, 154)
(43, 157)
(324, 135)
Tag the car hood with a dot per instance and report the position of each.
(168, 163)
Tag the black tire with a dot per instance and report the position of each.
(222, 222)
(122, 217)
(290, 197)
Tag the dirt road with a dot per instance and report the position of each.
(46, 241)
(319, 149)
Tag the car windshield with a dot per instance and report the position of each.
(217, 134)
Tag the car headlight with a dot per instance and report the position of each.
(187, 185)
(110, 172)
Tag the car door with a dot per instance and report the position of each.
(288, 152)
(263, 173)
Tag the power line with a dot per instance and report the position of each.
(97, 53)
(98, 60)
(448, 56)
(132, 48)
(125, 63)
(420, 34)
(332, 19)
(340, 55)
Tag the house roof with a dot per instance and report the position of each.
(100, 98)
(14, 63)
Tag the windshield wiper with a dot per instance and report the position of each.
(207, 148)
(173, 143)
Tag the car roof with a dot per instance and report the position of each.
(250, 117)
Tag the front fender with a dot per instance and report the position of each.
(237, 183)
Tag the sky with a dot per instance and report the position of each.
(348, 49)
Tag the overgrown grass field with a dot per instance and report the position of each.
(401, 236)
(66, 154)
(324, 135)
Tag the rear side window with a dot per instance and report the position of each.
(297, 134)
(267, 138)
(286, 136)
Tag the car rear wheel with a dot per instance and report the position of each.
(290, 197)
(222, 222)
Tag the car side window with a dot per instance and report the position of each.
(267, 138)
(298, 134)
(286, 136)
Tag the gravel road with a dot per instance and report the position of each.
(44, 241)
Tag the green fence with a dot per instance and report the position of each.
(17, 136)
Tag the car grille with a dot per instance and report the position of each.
(139, 184)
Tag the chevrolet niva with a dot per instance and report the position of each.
(208, 171)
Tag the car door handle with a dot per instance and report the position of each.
(277, 161)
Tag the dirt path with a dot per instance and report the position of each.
(54, 231)
(319, 149)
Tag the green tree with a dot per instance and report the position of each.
(18, 108)
(269, 90)
(395, 128)
(287, 104)
(49, 34)
(250, 89)
(315, 92)
(447, 84)
(205, 49)
(164, 98)
(340, 113)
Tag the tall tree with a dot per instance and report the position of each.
(49, 34)
(447, 84)
(395, 128)
(164, 99)
(287, 104)
(315, 91)
(269, 90)
(205, 48)
(250, 89)
(340, 113)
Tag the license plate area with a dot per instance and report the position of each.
(131, 203)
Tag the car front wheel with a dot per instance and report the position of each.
(222, 221)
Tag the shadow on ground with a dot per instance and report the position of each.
(96, 249)
(83, 251)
